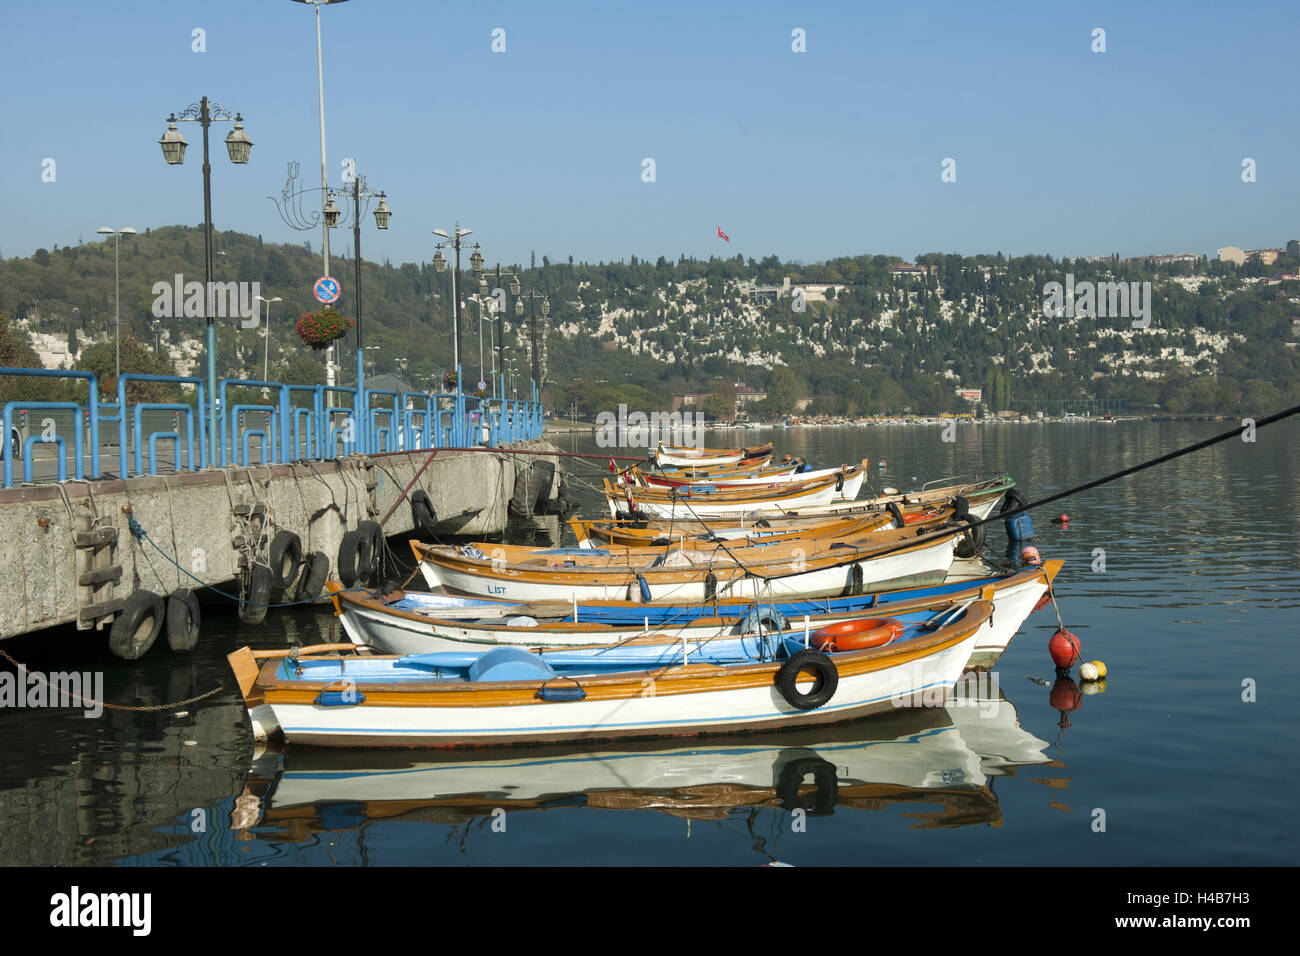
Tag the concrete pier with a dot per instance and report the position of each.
(67, 554)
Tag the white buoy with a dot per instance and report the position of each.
(1088, 672)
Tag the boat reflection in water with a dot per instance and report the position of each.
(940, 756)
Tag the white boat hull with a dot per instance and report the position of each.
(924, 682)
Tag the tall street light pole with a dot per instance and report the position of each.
(238, 145)
(499, 307)
(117, 234)
(266, 361)
(358, 191)
(439, 264)
(324, 176)
(546, 310)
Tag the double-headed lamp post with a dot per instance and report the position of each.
(546, 310)
(440, 265)
(358, 191)
(500, 309)
(238, 145)
(117, 234)
(266, 361)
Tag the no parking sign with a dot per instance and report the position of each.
(326, 289)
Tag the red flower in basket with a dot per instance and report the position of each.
(318, 329)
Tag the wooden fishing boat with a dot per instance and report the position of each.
(883, 560)
(606, 534)
(983, 495)
(684, 455)
(415, 622)
(508, 696)
(760, 479)
(788, 465)
(708, 500)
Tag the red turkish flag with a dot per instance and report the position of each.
(723, 235)
(612, 468)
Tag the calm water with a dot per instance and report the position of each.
(1199, 593)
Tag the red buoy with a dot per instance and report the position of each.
(1064, 648)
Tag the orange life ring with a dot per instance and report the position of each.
(856, 635)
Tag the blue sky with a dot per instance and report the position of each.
(835, 151)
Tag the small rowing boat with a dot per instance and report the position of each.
(681, 456)
(417, 622)
(509, 696)
(879, 561)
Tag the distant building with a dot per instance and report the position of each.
(907, 269)
(1232, 254)
(971, 394)
(1190, 258)
(1293, 249)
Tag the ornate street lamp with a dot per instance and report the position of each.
(238, 146)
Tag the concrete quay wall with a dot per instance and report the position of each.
(49, 532)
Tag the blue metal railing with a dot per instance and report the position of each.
(302, 423)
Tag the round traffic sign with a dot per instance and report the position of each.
(482, 385)
(326, 289)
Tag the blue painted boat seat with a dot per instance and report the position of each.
(510, 663)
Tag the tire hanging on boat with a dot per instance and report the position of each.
(825, 779)
(183, 620)
(896, 513)
(1012, 501)
(823, 689)
(972, 538)
(137, 626)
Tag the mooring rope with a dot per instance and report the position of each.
(104, 703)
(142, 535)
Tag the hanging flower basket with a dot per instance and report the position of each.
(318, 329)
(449, 381)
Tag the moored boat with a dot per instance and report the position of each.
(507, 696)
(880, 561)
(414, 622)
(685, 455)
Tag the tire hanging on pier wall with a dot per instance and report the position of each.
(422, 514)
(373, 537)
(183, 620)
(285, 559)
(361, 554)
(253, 608)
(138, 626)
(315, 570)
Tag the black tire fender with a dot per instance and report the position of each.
(138, 625)
(285, 559)
(315, 570)
(896, 513)
(828, 679)
(372, 537)
(972, 538)
(825, 779)
(183, 620)
(1012, 501)
(423, 516)
(349, 562)
(253, 609)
